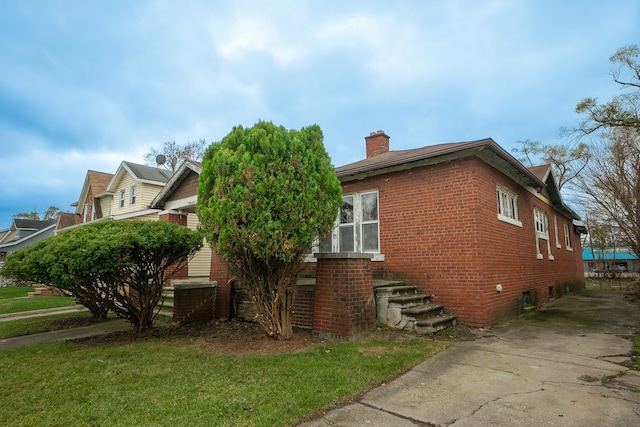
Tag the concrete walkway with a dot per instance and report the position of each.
(62, 335)
(559, 366)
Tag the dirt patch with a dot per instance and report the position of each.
(247, 338)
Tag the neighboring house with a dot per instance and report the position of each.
(127, 194)
(131, 190)
(617, 259)
(465, 222)
(88, 207)
(22, 233)
(177, 202)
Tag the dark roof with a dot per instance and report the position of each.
(31, 224)
(486, 149)
(148, 173)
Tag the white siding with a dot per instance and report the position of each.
(200, 264)
(145, 193)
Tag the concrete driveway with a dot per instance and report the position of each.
(563, 365)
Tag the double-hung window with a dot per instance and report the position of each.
(542, 231)
(555, 230)
(133, 195)
(357, 228)
(507, 206)
(122, 198)
(567, 237)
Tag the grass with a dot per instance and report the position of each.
(604, 283)
(11, 301)
(180, 382)
(15, 291)
(35, 325)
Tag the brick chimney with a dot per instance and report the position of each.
(377, 143)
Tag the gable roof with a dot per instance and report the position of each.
(178, 177)
(30, 224)
(68, 219)
(97, 182)
(546, 175)
(141, 173)
(46, 227)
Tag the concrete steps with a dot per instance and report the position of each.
(46, 291)
(167, 306)
(400, 306)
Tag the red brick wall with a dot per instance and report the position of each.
(344, 300)
(187, 188)
(219, 273)
(303, 305)
(439, 231)
(193, 304)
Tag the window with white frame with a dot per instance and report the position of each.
(542, 224)
(133, 195)
(122, 198)
(357, 227)
(507, 206)
(555, 229)
(567, 237)
(542, 231)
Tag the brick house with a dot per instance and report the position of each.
(88, 207)
(465, 222)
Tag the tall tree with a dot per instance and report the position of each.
(51, 214)
(611, 183)
(174, 154)
(567, 160)
(623, 111)
(265, 194)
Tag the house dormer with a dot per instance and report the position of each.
(131, 190)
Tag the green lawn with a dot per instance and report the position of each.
(35, 325)
(178, 381)
(15, 291)
(11, 301)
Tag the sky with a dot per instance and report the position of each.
(85, 85)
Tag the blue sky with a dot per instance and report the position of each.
(88, 84)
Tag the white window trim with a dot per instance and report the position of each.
(358, 222)
(133, 195)
(555, 228)
(123, 199)
(567, 237)
(506, 193)
(540, 216)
